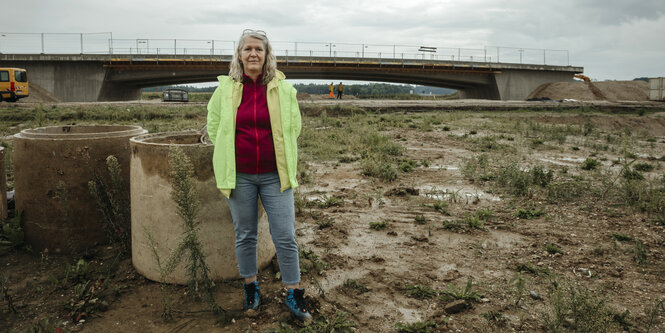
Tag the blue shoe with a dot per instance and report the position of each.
(252, 296)
(295, 301)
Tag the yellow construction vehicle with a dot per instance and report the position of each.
(583, 77)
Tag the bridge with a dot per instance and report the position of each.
(120, 73)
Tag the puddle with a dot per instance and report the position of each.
(461, 194)
(410, 315)
(563, 161)
(444, 167)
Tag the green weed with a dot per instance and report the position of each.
(644, 167)
(337, 323)
(378, 225)
(113, 204)
(529, 214)
(420, 291)
(184, 195)
(420, 219)
(552, 248)
(590, 164)
(467, 293)
(640, 252)
(477, 168)
(418, 327)
(313, 263)
(11, 233)
(407, 165)
(622, 237)
(576, 309)
(355, 285)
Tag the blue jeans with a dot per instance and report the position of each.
(281, 218)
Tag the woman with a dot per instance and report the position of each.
(254, 123)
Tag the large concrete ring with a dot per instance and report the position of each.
(45, 157)
(154, 211)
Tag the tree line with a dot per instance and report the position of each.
(370, 89)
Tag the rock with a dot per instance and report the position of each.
(455, 306)
(535, 295)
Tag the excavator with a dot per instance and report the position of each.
(583, 77)
(596, 92)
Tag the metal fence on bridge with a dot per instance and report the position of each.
(104, 43)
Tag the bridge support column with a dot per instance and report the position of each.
(518, 84)
(75, 81)
(514, 84)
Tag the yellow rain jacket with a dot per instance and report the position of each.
(284, 120)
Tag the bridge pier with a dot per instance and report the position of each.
(514, 84)
(74, 80)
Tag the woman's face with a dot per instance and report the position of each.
(253, 55)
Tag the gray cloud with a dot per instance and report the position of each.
(610, 38)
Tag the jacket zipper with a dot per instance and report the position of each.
(256, 131)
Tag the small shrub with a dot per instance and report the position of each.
(378, 225)
(576, 309)
(590, 164)
(420, 219)
(514, 179)
(540, 176)
(378, 168)
(477, 168)
(567, 190)
(474, 222)
(529, 214)
(622, 237)
(629, 174)
(484, 214)
(552, 248)
(644, 167)
(407, 165)
(113, 204)
(453, 225)
(640, 252)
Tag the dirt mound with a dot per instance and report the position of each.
(593, 91)
(39, 94)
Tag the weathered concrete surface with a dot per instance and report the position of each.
(69, 155)
(3, 185)
(154, 211)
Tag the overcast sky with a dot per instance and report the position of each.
(611, 39)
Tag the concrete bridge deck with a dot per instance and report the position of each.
(89, 77)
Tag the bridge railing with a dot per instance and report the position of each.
(104, 43)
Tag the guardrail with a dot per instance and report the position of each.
(104, 43)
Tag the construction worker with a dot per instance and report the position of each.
(340, 90)
(332, 90)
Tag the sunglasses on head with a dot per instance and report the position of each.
(250, 31)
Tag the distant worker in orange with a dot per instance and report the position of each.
(340, 90)
(332, 90)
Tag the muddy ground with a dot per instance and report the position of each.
(378, 254)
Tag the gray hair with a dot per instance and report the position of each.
(236, 69)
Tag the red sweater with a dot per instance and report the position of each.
(255, 150)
